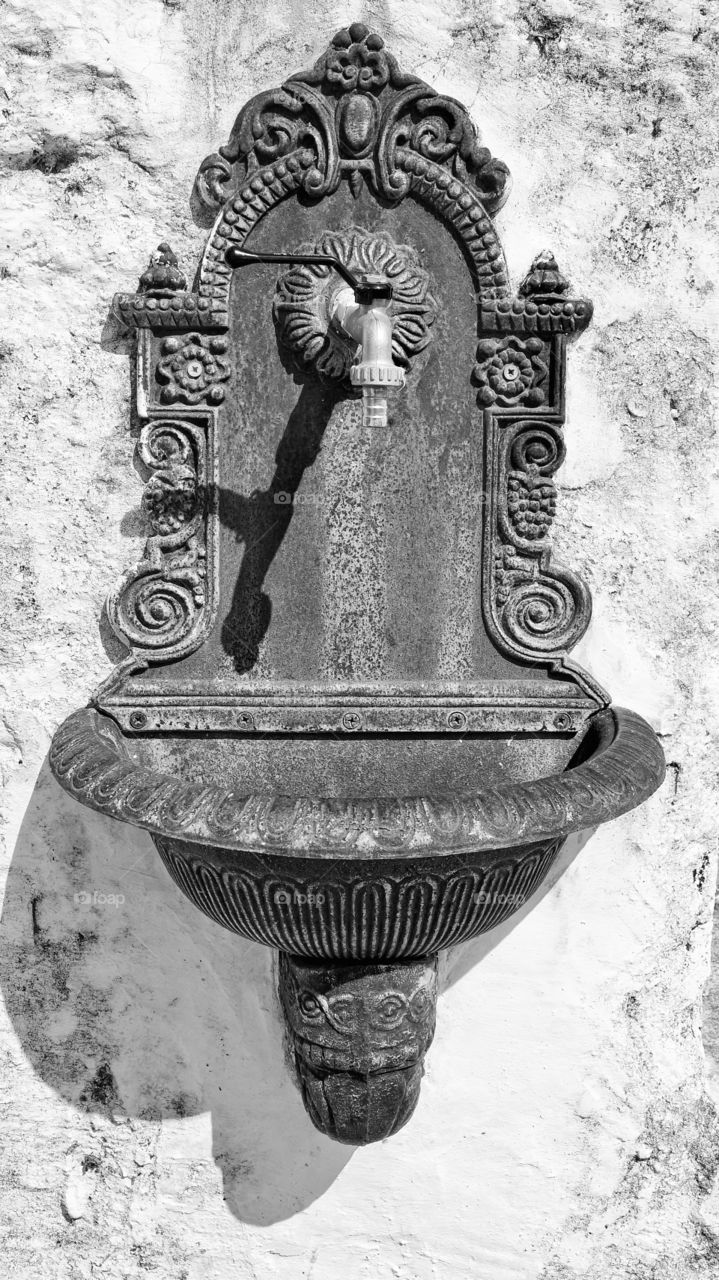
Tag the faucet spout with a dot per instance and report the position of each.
(369, 324)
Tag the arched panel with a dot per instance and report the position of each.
(414, 589)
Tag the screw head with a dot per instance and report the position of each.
(351, 720)
(563, 720)
(457, 720)
(245, 720)
(138, 719)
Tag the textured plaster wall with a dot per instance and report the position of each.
(566, 1127)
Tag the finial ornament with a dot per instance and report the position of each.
(163, 275)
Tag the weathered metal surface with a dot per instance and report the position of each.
(359, 1035)
(348, 715)
(419, 555)
(620, 764)
(345, 911)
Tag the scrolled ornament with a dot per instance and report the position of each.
(290, 124)
(161, 604)
(531, 496)
(539, 449)
(540, 615)
(436, 129)
(164, 443)
(212, 182)
(354, 103)
(156, 612)
(534, 608)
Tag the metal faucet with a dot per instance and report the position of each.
(362, 312)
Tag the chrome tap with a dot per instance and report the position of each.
(362, 313)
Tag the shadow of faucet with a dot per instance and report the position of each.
(260, 521)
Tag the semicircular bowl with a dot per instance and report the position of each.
(326, 865)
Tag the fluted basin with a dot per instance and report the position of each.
(349, 885)
(355, 877)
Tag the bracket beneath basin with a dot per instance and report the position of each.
(359, 1034)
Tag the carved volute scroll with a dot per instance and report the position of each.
(160, 607)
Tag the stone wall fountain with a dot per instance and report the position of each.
(348, 717)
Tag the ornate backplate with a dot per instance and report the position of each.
(303, 574)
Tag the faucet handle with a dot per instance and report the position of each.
(367, 289)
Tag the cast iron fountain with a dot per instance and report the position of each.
(347, 717)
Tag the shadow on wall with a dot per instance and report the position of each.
(260, 523)
(128, 1001)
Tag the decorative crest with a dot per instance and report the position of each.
(354, 115)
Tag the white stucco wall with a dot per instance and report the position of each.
(149, 1123)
